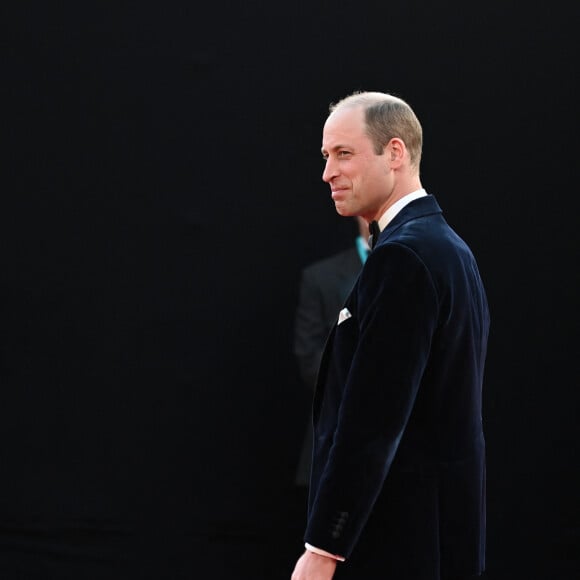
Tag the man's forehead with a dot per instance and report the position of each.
(345, 116)
(342, 127)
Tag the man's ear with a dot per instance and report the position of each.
(395, 150)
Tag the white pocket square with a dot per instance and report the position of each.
(343, 315)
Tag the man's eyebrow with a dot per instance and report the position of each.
(334, 148)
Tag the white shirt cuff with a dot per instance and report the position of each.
(323, 552)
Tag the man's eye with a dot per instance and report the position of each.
(343, 153)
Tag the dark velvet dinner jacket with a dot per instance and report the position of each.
(398, 475)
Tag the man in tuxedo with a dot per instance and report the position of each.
(324, 286)
(397, 488)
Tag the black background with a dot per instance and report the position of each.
(162, 192)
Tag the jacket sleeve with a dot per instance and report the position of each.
(396, 316)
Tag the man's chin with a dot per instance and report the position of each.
(342, 211)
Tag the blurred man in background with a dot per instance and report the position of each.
(324, 286)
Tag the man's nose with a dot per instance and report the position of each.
(329, 171)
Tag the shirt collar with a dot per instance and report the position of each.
(398, 206)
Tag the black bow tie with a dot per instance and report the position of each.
(374, 231)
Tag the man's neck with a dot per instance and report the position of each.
(395, 208)
(401, 190)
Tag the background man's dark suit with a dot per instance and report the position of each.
(398, 481)
(324, 286)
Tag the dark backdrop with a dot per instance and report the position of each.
(162, 192)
